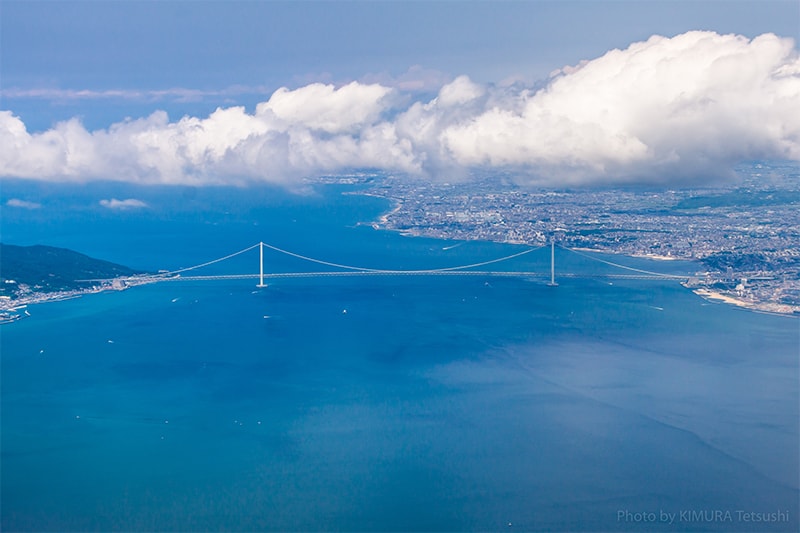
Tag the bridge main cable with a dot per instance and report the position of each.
(464, 267)
(649, 272)
(319, 261)
(388, 271)
(219, 260)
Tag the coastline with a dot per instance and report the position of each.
(654, 257)
(709, 295)
(398, 205)
(657, 257)
(384, 218)
(762, 307)
(9, 308)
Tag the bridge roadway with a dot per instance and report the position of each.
(285, 275)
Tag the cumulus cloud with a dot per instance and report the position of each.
(321, 107)
(24, 204)
(130, 203)
(684, 108)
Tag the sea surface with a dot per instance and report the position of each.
(387, 403)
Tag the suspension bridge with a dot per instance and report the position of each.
(344, 270)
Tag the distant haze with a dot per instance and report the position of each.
(682, 109)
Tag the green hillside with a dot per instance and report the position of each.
(48, 269)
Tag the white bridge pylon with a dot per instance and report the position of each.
(261, 265)
(351, 270)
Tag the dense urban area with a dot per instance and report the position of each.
(745, 236)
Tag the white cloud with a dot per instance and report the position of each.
(324, 108)
(459, 92)
(24, 204)
(683, 108)
(687, 106)
(130, 203)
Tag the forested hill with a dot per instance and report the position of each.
(48, 269)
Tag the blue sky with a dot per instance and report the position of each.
(100, 62)
(213, 47)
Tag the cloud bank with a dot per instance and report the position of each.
(685, 109)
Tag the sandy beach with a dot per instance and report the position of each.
(398, 204)
(713, 295)
(663, 257)
(764, 307)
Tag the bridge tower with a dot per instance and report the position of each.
(553, 263)
(261, 265)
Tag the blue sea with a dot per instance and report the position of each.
(413, 403)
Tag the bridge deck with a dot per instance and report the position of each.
(355, 271)
(523, 274)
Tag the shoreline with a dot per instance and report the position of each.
(384, 218)
(761, 307)
(657, 257)
(41, 298)
(707, 294)
(11, 308)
